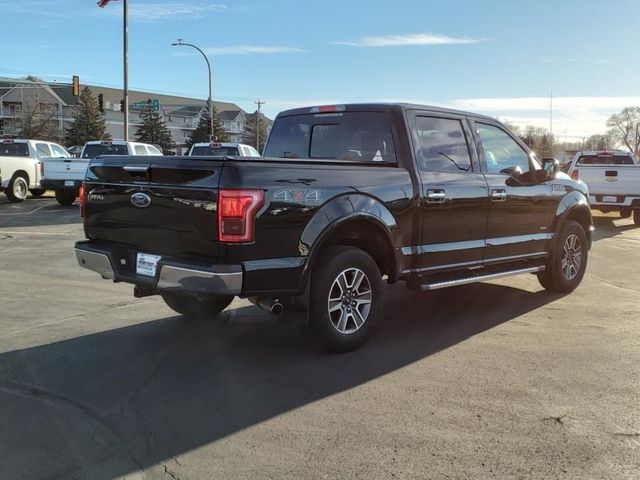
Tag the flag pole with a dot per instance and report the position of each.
(125, 54)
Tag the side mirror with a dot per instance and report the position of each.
(551, 167)
(515, 171)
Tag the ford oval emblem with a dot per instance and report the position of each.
(141, 200)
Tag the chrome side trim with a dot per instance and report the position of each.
(172, 277)
(472, 244)
(97, 262)
(479, 278)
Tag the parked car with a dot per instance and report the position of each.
(344, 197)
(217, 149)
(613, 178)
(20, 162)
(65, 175)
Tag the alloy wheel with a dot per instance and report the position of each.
(571, 257)
(349, 300)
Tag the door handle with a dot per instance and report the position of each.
(499, 195)
(436, 196)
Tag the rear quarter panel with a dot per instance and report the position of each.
(301, 201)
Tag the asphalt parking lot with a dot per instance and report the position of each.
(492, 380)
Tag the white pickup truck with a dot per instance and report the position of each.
(613, 178)
(65, 176)
(20, 163)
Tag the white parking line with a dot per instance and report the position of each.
(7, 232)
(25, 213)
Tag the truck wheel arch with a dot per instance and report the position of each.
(574, 207)
(361, 230)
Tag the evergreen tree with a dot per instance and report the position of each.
(201, 133)
(249, 133)
(88, 123)
(153, 130)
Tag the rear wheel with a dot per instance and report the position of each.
(37, 192)
(346, 291)
(625, 212)
(636, 216)
(66, 196)
(196, 306)
(568, 262)
(18, 188)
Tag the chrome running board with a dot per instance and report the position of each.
(479, 278)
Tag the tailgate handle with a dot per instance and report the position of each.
(137, 172)
(136, 168)
(611, 173)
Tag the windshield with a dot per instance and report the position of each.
(14, 149)
(605, 160)
(209, 151)
(348, 136)
(93, 150)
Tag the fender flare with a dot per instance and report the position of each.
(574, 201)
(338, 212)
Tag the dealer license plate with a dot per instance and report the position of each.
(610, 199)
(147, 264)
(69, 183)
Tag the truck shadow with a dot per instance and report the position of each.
(608, 226)
(141, 395)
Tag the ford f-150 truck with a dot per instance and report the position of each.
(613, 178)
(345, 197)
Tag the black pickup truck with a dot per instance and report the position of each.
(345, 197)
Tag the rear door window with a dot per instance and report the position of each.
(443, 145)
(43, 150)
(347, 136)
(140, 150)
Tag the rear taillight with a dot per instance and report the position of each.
(236, 214)
(575, 174)
(82, 196)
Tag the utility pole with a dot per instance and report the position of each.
(126, 68)
(259, 103)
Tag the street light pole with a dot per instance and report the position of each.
(179, 43)
(125, 54)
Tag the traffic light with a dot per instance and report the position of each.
(76, 85)
(122, 105)
(101, 103)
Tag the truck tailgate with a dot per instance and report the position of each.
(611, 179)
(64, 168)
(155, 205)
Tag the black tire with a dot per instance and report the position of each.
(196, 306)
(625, 212)
(568, 262)
(66, 196)
(37, 192)
(636, 216)
(338, 331)
(18, 188)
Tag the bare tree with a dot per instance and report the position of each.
(625, 128)
(38, 121)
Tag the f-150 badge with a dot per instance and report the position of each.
(313, 196)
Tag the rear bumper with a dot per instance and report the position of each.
(60, 184)
(622, 201)
(190, 278)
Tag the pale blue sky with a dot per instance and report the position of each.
(499, 57)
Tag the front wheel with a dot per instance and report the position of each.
(196, 306)
(346, 293)
(66, 196)
(568, 262)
